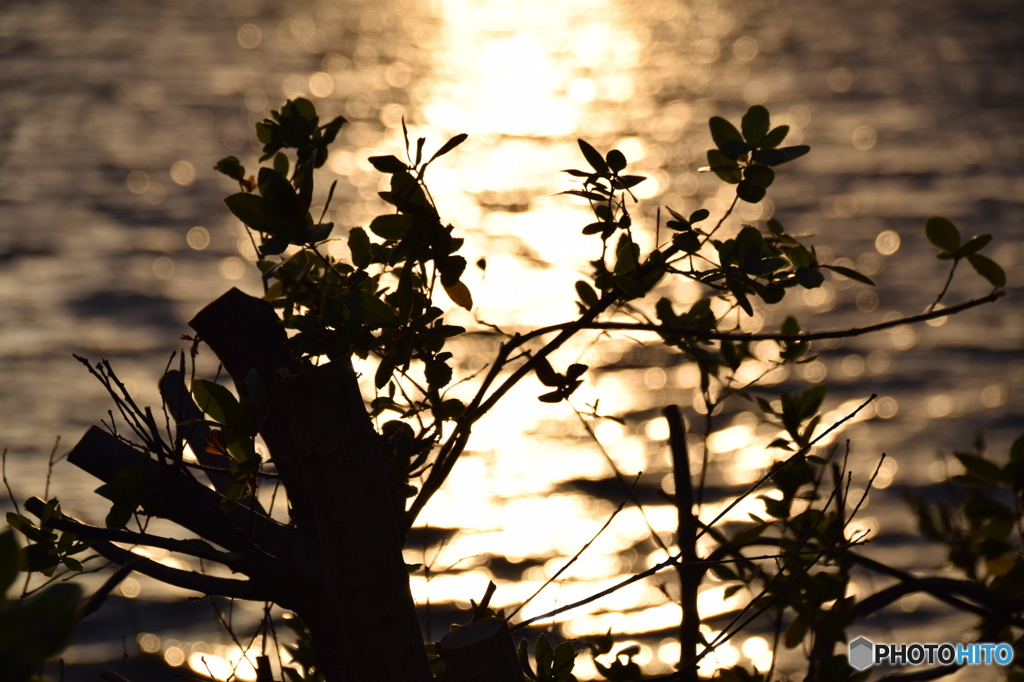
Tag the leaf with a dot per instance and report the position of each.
(750, 192)
(942, 234)
(731, 590)
(586, 293)
(627, 255)
(616, 160)
(376, 312)
(762, 176)
(10, 561)
(724, 167)
(795, 633)
(453, 408)
(231, 167)
(523, 654)
(592, 196)
(449, 145)
(565, 658)
(254, 212)
(438, 372)
(755, 125)
(388, 164)
(281, 164)
(687, 242)
(850, 273)
(38, 629)
(627, 181)
(460, 294)
(543, 654)
(988, 269)
(1017, 450)
(391, 227)
(974, 245)
(980, 468)
(809, 278)
(811, 400)
(216, 401)
(723, 132)
(451, 269)
(280, 198)
(594, 157)
(547, 374)
(774, 157)
(774, 138)
(359, 247)
(575, 371)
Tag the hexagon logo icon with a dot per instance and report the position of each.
(862, 651)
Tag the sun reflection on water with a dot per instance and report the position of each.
(525, 88)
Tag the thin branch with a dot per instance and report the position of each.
(580, 552)
(3, 471)
(622, 480)
(97, 599)
(188, 580)
(945, 288)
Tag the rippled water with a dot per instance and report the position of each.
(112, 234)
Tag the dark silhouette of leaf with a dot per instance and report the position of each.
(616, 160)
(388, 164)
(594, 157)
(851, 273)
(449, 145)
(988, 269)
(774, 157)
(942, 234)
(774, 138)
(974, 245)
(750, 192)
(723, 132)
(755, 125)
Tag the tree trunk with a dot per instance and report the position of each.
(363, 621)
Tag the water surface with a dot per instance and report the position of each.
(112, 235)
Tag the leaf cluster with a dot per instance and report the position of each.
(982, 533)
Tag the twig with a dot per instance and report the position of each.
(580, 552)
(945, 288)
(621, 479)
(7, 484)
(97, 599)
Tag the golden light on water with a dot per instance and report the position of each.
(525, 80)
